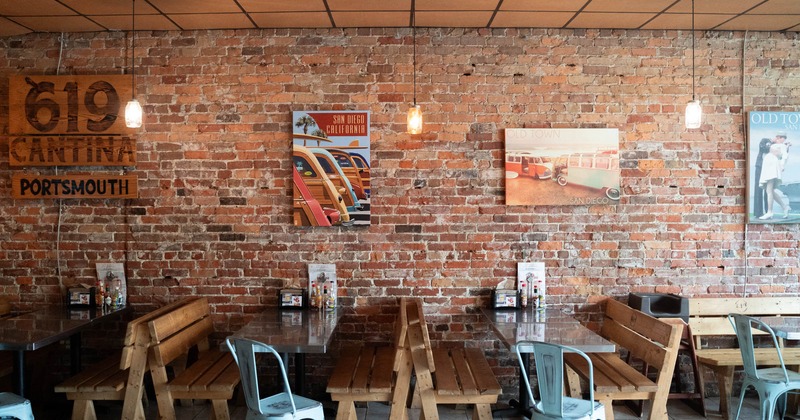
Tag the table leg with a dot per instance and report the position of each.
(75, 353)
(300, 373)
(521, 406)
(524, 403)
(19, 373)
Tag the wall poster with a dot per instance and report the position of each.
(773, 167)
(331, 168)
(562, 166)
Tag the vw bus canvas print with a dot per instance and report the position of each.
(562, 166)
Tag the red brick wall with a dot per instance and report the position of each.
(213, 216)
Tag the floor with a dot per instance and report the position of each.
(677, 411)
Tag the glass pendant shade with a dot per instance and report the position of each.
(414, 120)
(694, 114)
(133, 114)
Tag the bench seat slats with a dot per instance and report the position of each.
(363, 370)
(342, 375)
(202, 373)
(90, 378)
(381, 380)
(482, 373)
(445, 376)
(374, 373)
(733, 357)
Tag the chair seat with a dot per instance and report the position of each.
(15, 406)
(279, 406)
(574, 409)
(776, 375)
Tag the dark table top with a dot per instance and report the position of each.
(293, 330)
(787, 327)
(36, 329)
(549, 325)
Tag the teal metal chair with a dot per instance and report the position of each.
(284, 405)
(549, 359)
(770, 383)
(15, 407)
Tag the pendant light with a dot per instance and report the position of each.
(414, 119)
(133, 110)
(694, 112)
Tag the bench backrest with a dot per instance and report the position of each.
(709, 316)
(134, 356)
(654, 341)
(138, 334)
(416, 317)
(175, 333)
(400, 333)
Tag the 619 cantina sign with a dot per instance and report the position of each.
(70, 121)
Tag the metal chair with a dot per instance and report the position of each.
(549, 359)
(284, 405)
(770, 383)
(14, 406)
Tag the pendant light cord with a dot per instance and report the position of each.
(133, 49)
(693, 98)
(414, 40)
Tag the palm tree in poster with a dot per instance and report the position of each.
(305, 121)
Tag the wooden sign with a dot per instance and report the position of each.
(72, 151)
(70, 105)
(25, 186)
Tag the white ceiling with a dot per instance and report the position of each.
(23, 16)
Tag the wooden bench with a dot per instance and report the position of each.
(212, 376)
(363, 374)
(708, 320)
(653, 341)
(119, 377)
(448, 375)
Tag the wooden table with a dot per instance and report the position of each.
(550, 325)
(34, 330)
(294, 331)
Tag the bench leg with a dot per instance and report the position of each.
(219, 410)
(401, 386)
(83, 410)
(572, 382)
(724, 375)
(608, 408)
(482, 412)
(346, 411)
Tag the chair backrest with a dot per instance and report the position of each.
(549, 359)
(743, 326)
(244, 353)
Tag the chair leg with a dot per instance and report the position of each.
(780, 404)
(741, 400)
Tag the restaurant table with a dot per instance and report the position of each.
(297, 331)
(550, 325)
(786, 327)
(36, 329)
